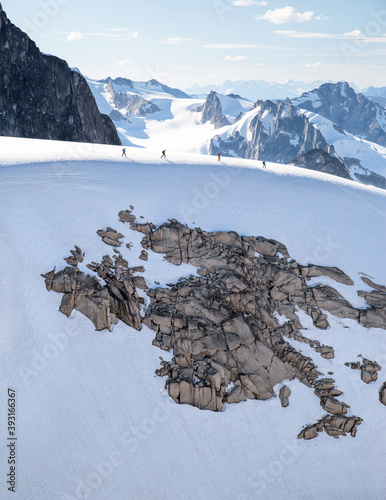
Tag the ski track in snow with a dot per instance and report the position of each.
(92, 417)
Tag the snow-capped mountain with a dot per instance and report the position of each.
(272, 131)
(353, 112)
(281, 131)
(257, 89)
(41, 97)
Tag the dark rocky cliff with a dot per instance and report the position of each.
(42, 98)
(321, 161)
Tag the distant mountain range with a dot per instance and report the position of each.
(260, 89)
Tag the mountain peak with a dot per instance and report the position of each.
(352, 112)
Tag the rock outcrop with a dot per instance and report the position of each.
(222, 325)
(105, 304)
(369, 369)
(284, 395)
(334, 426)
(382, 393)
(321, 161)
(211, 111)
(110, 236)
(134, 104)
(42, 98)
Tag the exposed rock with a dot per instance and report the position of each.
(329, 299)
(368, 281)
(212, 111)
(334, 406)
(135, 104)
(226, 314)
(369, 369)
(103, 305)
(76, 257)
(334, 426)
(116, 116)
(126, 216)
(321, 161)
(375, 315)
(284, 395)
(236, 395)
(221, 325)
(144, 255)
(382, 393)
(334, 273)
(41, 97)
(110, 237)
(325, 351)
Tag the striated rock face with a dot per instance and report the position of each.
(321, 161)
(222, 325)
(351, 111)
(211, 111)
(105, 304)
(41, 97)
(278, 132)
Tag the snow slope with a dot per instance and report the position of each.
(93, 421)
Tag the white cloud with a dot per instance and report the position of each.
(299, 34)
(124, 62)
(353, 33)
(74, 36)
(117, 29)
(247, 3)
(235, 58)
(313, 65)
(133, 35)
(285, 15)
(176, 40)
(321, 18)
(231, 46)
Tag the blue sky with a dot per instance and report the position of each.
(182, 43)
